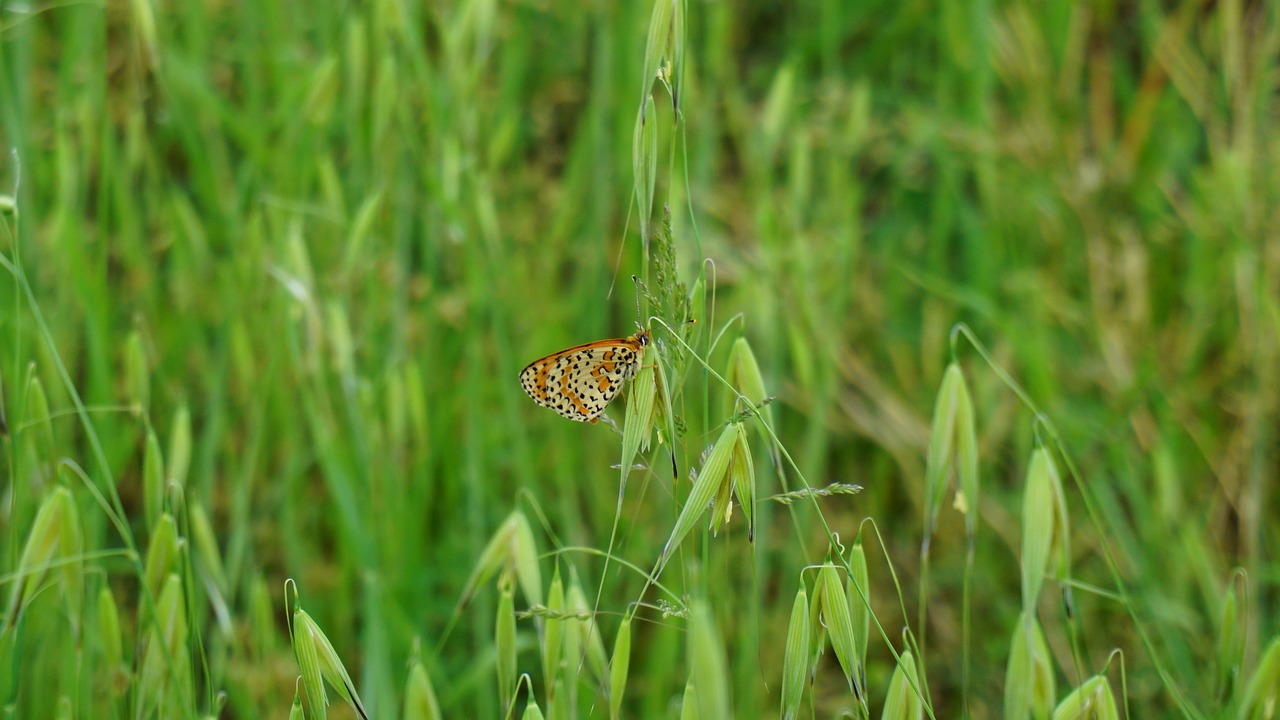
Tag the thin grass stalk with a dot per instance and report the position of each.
(1169, 683)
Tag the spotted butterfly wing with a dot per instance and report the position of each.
(580, 382)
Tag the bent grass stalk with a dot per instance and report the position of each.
(755, 411)
(960, 329)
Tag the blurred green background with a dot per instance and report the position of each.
(309, 246)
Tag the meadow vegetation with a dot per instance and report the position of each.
(963, 400)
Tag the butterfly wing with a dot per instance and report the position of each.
(580, 382)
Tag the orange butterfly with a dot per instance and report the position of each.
(580, 382)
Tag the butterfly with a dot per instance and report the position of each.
(580, 382)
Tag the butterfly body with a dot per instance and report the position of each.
(579, 382)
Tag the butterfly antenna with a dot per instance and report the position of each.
(636, 281)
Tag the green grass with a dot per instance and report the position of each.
(270, 273)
